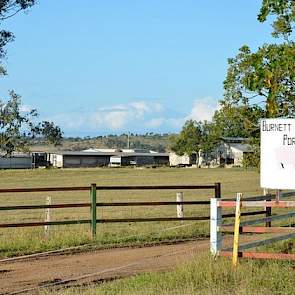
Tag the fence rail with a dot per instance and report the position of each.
(217, 227)
(216, 187)
(93, 204)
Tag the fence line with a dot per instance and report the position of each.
(93, 204)
(216, 187)
(243, 227)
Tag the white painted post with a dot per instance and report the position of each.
(215, 225)
(47, 218)
(278, 195)
(179, 207)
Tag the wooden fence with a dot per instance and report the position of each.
(93, 204)
(247, 227)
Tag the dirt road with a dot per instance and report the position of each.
(92, 266)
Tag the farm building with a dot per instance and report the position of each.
(232, 151)
(182, 161)
(115, 158)
(140, 159)
(68, 159)
(16, 161)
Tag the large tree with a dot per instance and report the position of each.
(236, 121)
(188, 141)
(264, 80)
(195, 137)
(17, 126)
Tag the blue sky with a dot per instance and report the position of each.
(97, 67)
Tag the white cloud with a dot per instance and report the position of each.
(116, 117)
(135, 116)
(115, 120)
(140, 108)
(203, 109)
(155, 122)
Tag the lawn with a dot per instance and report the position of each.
(203, 275)
(29, 240)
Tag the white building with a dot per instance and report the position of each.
(232, 151)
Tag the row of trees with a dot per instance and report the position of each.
(18, 126)
(258, 85)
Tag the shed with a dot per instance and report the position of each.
(69, 159)
(16, 161)
(233, 150)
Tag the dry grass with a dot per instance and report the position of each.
(203, 275)
(28, 240)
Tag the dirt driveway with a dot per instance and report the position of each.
(29, 275)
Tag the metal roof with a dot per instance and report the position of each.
(242, 147)
(234, 139)
(81, 153)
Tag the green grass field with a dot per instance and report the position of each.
(30, 240)
(201, 276)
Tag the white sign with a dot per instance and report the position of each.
(277, 153)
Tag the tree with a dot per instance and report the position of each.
(194, 138)
(264, 78)
(9, 8)
(262, 83)
(189, 139)
(284, 11)
(236, 121)
(18, 128)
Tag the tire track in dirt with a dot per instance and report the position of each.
(93, 266)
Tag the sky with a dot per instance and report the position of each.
(96, 67)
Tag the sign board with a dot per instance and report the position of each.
(277, 153)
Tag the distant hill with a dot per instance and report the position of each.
(149, 141)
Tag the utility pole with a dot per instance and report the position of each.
(128, 140)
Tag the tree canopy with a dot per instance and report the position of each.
(262, 83)
(9, 8)
(188, 141)
(284, 12)
(18, 127)
(265, 78)
(195, 137)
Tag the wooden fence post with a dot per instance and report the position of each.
(179, 207)
(267, 194)
(217, 190)
(47, 218)
(237, 230)
(215, 226)
(93, 209)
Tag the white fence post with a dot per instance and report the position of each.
(47, 218)
(179, 207)
(215, 225)
(278, 195)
